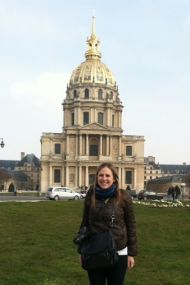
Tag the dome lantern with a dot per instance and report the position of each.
(93, 44)
(92, 70)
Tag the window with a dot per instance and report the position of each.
(57, 175)
(128, 177)
(129, 150)
(92, 178)
(111, 95)
(72, 119)
(100, 94)
(85, 118)
(86, 93)
(100, 118)
(113, 119)
(75, 93)
(93, 150)
(57, 148)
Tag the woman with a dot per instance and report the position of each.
(98, 209)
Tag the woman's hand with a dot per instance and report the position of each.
(131, 262)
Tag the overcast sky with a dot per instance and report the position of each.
(145, 43)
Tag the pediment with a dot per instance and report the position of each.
(94, 126)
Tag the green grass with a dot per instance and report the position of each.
(36, 245)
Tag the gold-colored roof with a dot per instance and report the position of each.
(92, 70)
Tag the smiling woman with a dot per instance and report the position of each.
(108, 208)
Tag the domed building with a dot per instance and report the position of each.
(92, 130)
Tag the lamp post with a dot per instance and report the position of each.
(2, 144)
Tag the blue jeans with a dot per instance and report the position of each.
(114, 275)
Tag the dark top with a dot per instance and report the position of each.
(98, 219)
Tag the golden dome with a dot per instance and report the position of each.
(92, 70)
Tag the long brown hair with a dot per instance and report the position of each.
(115, 177)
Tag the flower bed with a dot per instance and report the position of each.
(163, 204)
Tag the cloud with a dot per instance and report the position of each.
(45, 91)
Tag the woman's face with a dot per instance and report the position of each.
(105, 178)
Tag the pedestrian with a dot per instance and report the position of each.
(99, 202)
(177, 192)
(173, 192)
(14, 191)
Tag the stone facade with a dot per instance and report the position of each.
(92, 130)
(21, 174)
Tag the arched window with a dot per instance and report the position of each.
(75, 93)
(86, 93)
(100, 94)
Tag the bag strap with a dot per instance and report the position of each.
(113, 215)
(112, 218)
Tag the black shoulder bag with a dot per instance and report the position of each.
(98, 249)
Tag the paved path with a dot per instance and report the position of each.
(22, 199)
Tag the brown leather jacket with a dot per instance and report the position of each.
(98, 219)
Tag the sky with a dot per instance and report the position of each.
(145, 43)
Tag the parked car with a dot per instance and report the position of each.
(149, 195)
(56, 193)
(83, 193)
(132, 193)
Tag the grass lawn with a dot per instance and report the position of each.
(36, 245)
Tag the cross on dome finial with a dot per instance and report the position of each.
(93, 44)
(93, 25)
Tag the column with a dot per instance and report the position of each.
(80, 145)
(51, 182)
(77, 144)
(107, 145)
(123, 178)
(67, 176)
(119, 146)
(67, 150)
(119, 119)
(62, 176)
(86, 177)
(80, 176)
(87, 146)
(76, 176)
(119, 175)
(134, 180)
(111, 146)
(100, 144)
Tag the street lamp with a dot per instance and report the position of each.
(2, 144)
